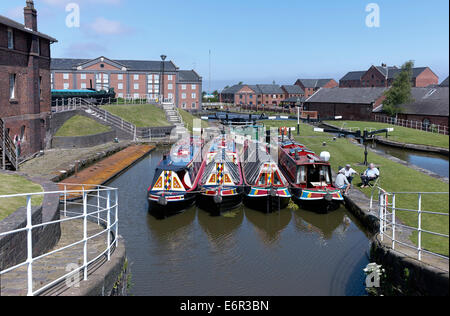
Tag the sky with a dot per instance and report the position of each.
(254, 41)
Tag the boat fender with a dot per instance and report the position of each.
(218, 198)
(273, 192)
(328, 197)
(162, 201)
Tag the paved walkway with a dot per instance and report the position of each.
(54, 266)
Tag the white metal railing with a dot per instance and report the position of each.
(389, 226)
(138, 134)
(431, 128)
(99, 204)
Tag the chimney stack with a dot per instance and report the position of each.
(30, 15)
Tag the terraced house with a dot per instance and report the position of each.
(131, 79)
(25, 97)
(259, 94)
(383, 76)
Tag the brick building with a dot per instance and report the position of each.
(132, 79)
(293, 91)
(311, 86)
(380, 76)
(350, 103)
(430, 106)
(260, 94)
(25, 96)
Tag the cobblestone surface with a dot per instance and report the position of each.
(52, 267)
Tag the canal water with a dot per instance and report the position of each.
(244, 252)
(430, 161)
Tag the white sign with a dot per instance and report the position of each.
(319, 130)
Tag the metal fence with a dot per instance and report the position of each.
(388, 210)
(99, 205)
(430, 128)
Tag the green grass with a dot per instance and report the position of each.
(188, 120)
(12, 184)
(143, 115)
(400, 134)
(80, 125)
(394, 178)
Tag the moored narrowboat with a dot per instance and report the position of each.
(176, 180)
(310, 178)
(266, 188)
(220, 185)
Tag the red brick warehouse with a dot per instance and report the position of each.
(25, 97)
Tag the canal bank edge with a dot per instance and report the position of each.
(423, 278)
(387, 142)
(13, 248)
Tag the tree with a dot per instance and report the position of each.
(400, 92)
(240, 83)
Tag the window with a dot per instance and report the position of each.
(12, 86)
(136, 86)
(150, 79)
(105, 78)
(194, 86)
(183, 87)
(10, 39)
(66, 76)
(184, 105)
(83, 76)
(194, 105)
(120, 95)
(83, 86)
(136, 77)
(169, 77)
(183, 95)
(170, 86)
(66, 86)
(51, 81)
(98, 87)
(301, 175)
(102, 65)
(170, 96)
(194, 95)
(120, 77)
(156, 78)
(120, 86)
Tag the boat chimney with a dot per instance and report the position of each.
(268, 140)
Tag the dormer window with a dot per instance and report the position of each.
(10, 38)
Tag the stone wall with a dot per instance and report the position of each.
(83, 141)
(13, 248)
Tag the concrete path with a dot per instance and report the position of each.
(52, 267)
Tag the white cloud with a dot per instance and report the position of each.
(103, 26)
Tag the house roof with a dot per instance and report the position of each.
(353, 75)
(314, 83)
(292, 89)
(232, 89)
(294, 100)
(444, 83)
(269, 89)
(347, 95)
(188, 76)
(131, 65)
(13, 24)
(428, 101)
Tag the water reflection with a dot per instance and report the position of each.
(269, 226)
(323, 225)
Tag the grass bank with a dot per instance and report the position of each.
(142, 115)
(188, 120)
(394, 178)
(80, 125)
(400, 134)
(12, 184)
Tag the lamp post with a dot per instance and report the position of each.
(298, 104)
(161, 82)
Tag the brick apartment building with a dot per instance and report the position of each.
(260, 94)
(25, 96)
(132, 79)
(311, 86)
(380, 76)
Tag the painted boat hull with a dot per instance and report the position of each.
(171, 208)
(208, 203)
(321, 206)
(266, 204)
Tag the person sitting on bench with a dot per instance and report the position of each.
(370, 174)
